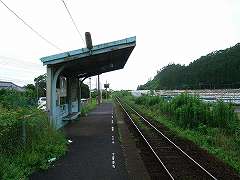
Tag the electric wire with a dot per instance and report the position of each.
(15, 61)
(22, 69)
(30, 27)
(75, 25)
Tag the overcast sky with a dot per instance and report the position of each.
(166, 30)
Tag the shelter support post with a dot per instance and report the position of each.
(69, 94)
(49, 92)
(52, 76)
(79, 94)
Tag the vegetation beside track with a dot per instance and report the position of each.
(27, 140)
(214, 127)
(89, 106)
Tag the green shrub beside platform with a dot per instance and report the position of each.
(27, 139)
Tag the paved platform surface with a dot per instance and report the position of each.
(95, 152)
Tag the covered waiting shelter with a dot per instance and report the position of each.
(66, 71)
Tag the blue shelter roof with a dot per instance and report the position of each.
(101, 58)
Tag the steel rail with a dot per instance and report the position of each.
(139, 131)
(172, 143)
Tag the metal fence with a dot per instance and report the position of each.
(11, 137)
(22, 133)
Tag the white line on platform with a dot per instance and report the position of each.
(112, 121)
(113, 161)
(112, 128)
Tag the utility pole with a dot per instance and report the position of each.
(106, 92)
(37, 90)
(99, 93)
(89, 45)
(90, 95)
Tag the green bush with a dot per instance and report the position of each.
(190, 112)
(10, 170)
(224, 117)
(23, 154)
(12, 99)
(148, 100)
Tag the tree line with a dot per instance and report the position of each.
(216, 70)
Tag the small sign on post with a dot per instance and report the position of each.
(106, 86)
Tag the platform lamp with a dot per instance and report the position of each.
(88, 40)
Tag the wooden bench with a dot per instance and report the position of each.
(71, 116)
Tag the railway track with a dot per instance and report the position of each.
(174, 163)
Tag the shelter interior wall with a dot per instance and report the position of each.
(73, 92)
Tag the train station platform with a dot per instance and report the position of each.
(95, 151)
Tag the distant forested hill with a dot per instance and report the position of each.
(219, 69)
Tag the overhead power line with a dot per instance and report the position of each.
(13, 60)
(73, 21)
(30, 27)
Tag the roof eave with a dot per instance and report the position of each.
(81, 53)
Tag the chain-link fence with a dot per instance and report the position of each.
(22, 132)
(11, 137)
